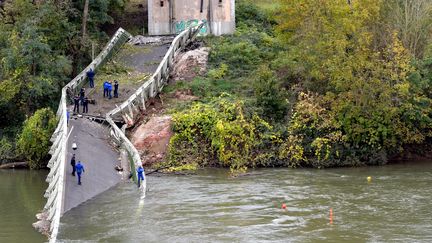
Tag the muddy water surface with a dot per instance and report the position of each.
(396, 206)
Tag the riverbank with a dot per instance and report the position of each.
(183, 105)
(270, 100)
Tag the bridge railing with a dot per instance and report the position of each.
(136, 103)
(53, 209)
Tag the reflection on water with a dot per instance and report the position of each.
(211, 207)
(21, 197)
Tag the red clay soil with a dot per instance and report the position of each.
(152, 139)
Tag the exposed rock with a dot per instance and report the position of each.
(41, 216)
(190, 64)
(43, 225)
(152, 138)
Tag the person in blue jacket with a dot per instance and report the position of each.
(67, 117)
(79, 169)
(140, 173)
(90, 76)
(105, 88)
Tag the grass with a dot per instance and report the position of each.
(267, 5)
(129, 50)
(124, 78)
(117, 70)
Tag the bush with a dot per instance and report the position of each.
(317, 138)
(241, 57)
(34, 140)
(219, 134)
(250, 15)
(269, 94)
(7, 150)
(218, 73)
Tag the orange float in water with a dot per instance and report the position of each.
(283, 206)
(331, 215)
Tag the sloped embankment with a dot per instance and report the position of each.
(151, 138)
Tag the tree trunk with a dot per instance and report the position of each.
(84, 21)
(84, 33)
(14, 165)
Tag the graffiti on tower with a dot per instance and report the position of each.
(184, 24)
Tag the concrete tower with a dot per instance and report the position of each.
(172, 16)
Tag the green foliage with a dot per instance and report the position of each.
(33, 72)
(249, 47)
(269, 94)
(40, 50)
(207, 88)
(185, 167)
(249, 15)
(219, 134)
(219, 72)
(367, 102)
(242, 57)
(358, 97)
(99, 12)
(113, 68)
(34, 140)
(7, 150)
(233, 62)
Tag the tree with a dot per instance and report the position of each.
(34, 140)
(39, 42)
(84, 20)
(412, 19)
(323, 37)
(365, 90)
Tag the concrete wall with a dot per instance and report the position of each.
(158, 17)
(177, 15)
(223, 17)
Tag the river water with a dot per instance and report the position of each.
(21, 197)
(210, 207)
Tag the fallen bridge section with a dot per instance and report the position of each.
(98, 157)
(131, 109)
(49, 219)
(94, 147)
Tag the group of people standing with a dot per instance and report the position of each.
(81, 98)
(108, 87)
